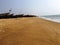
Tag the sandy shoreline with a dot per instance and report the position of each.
(29, 31)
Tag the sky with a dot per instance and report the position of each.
(36, 7)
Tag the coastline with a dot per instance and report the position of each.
(49, 19)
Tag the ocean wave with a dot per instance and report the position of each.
(52, 19)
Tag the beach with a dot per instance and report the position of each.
(29, 31)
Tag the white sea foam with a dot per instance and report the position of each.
(54, 20)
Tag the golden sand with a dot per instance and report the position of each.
(29, 31)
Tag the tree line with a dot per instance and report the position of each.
(8, 15)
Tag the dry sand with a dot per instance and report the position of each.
(29, 31)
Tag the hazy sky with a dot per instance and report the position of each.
(38, 7)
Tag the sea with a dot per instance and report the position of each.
(54, 18)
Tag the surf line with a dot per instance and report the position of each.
(50, 19)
